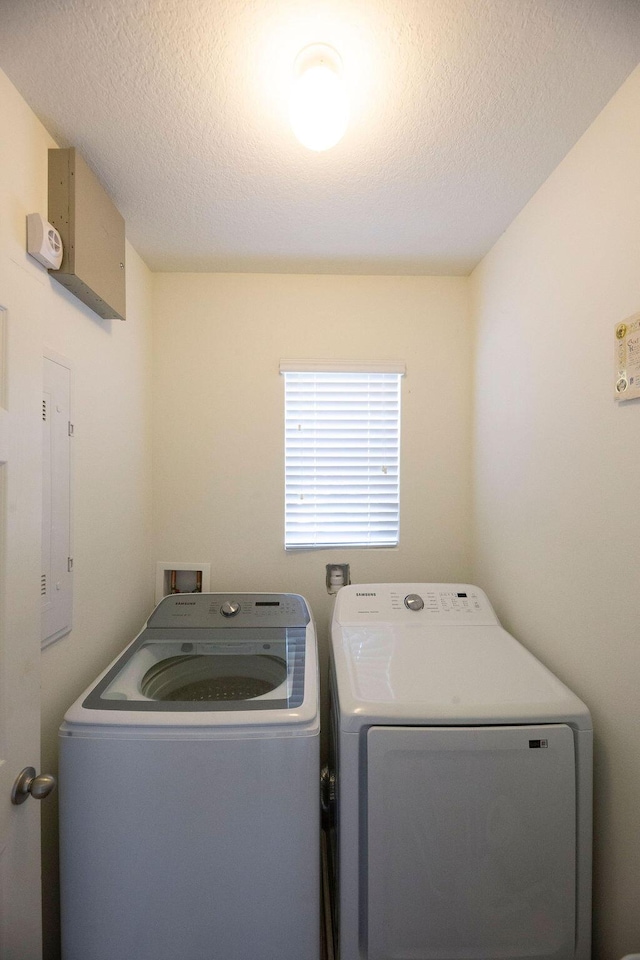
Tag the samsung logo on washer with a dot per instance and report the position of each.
(366, 594)
(185, 603)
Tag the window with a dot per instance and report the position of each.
(342, 454)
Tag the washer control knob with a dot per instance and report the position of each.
(413, 602)
(229, 608)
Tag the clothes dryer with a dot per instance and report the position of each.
(189, 809)
(463, 769)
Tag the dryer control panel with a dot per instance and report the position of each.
(443, 603)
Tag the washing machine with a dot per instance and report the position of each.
(189, 807)
(461, 808)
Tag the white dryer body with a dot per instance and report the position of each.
(463, 808)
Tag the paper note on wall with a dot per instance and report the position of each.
(627, 360)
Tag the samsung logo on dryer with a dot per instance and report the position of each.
(185, 603)
(366, 594)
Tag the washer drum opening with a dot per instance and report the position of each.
(211, 677)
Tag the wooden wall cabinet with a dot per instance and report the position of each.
(92, 233)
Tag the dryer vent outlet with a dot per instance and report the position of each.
(338, 575)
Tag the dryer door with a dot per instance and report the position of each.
(471, 849)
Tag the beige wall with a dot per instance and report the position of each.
(557, 465)
(218, 408)
(111, 387)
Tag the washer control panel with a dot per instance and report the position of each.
(217, 610)
(452, 603)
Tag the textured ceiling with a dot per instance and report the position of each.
(460, 109)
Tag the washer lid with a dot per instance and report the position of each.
(204, 670)
(213, 665)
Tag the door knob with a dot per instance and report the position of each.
(27, 783)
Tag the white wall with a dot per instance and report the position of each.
(219, 434)
(111, 383)
(557, 465)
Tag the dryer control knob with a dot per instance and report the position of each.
(414, 602)
(229, 608)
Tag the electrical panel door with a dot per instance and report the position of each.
(56, 578)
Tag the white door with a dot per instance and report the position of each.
(20, 517)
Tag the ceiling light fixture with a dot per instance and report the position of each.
(318, 104)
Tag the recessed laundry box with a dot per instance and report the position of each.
(189, 807)
(463, 769)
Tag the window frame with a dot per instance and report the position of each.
(372, 514)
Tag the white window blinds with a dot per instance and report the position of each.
(342, 455)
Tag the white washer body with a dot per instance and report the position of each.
(463, 770)
(189, 828)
